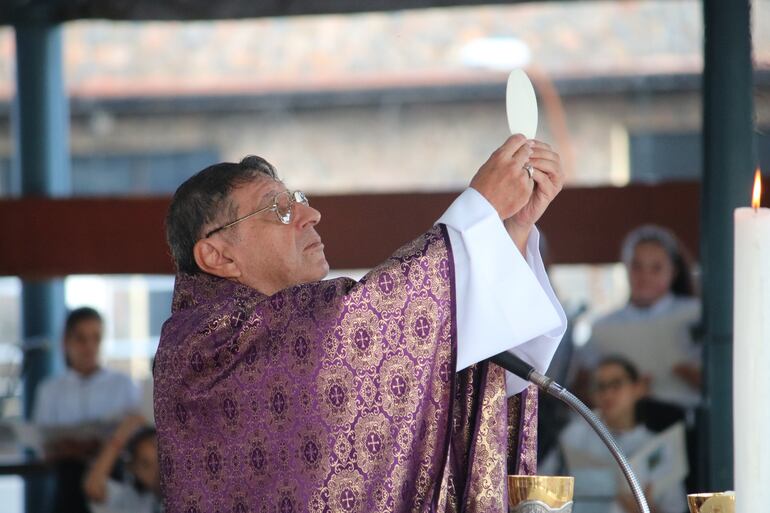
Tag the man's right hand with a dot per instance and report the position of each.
(502, 180)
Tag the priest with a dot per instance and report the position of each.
(277, 391)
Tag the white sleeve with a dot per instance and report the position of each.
(503, 301)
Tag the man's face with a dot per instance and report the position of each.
(82, 345)
(269, 254)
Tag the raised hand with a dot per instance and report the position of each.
(502, 180)
(548, 179)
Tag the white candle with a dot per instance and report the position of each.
(751, 358)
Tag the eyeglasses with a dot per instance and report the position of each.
(282, 205)
(613, 385)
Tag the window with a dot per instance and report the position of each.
(126, 174)
(660, 156)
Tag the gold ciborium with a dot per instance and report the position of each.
(540, 494)
(722, 502)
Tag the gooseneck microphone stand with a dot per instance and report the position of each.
(525, 371)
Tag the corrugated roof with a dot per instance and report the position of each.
(375, 50)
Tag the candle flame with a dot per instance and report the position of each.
(756, 196)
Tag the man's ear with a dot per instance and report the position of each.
(211, 257)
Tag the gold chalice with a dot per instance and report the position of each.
(722, 502)
(540, 494)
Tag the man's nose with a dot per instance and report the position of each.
(306, 215)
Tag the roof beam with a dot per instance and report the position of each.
(55, 237)
(24, 11)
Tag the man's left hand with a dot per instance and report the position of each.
(549, 180)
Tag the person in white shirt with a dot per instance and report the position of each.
(654, 330)
(617, 387)
(85, 394)
(139, 490)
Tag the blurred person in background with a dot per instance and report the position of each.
(617, 388)
(139, 490)
(655, 329)
(86, 393)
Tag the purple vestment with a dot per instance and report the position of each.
(336, 396)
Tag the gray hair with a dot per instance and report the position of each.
(204, 198)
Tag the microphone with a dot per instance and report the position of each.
(527, 372)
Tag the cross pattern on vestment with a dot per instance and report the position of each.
(398, 385)
(213, 463)
(443, 269)
(277, 302)
(237, 319)
(347, 498)
(286, 505)
(362, 339)
(311, 452)
(230, 409)
(443, 372)
(257, 458)
(279, 403)
(386, 283)
(336, 395)
(300, 347)
(196, 360)
(373, 442)
(422, 327)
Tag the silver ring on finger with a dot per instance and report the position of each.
(529, 169)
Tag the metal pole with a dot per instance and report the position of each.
(728, 143)
(42, 119)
